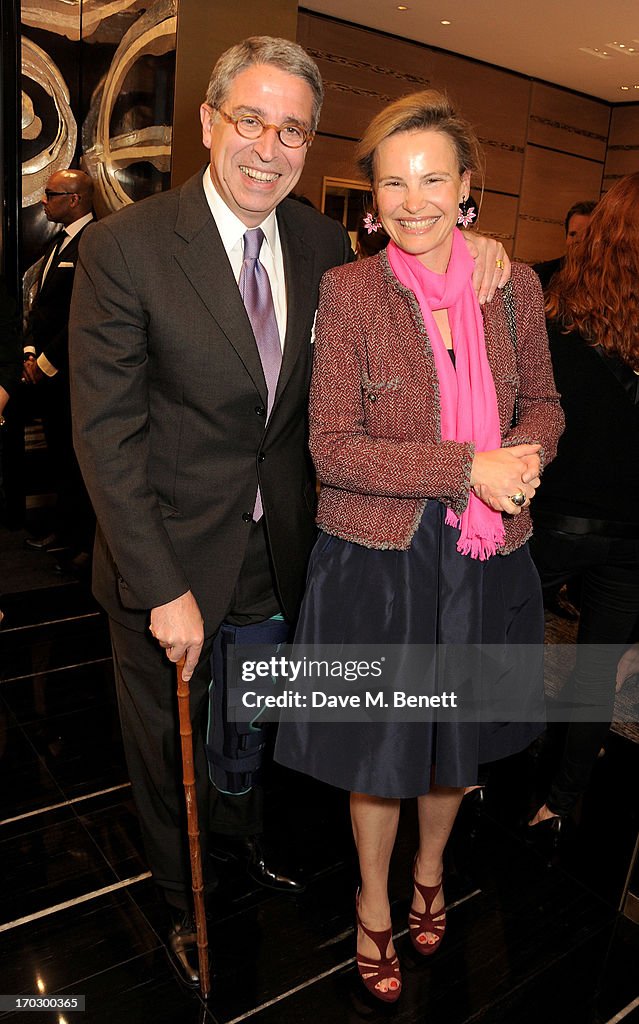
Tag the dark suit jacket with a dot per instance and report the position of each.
(546, 271)
(169, 423)
(48, 322)
(10, 347)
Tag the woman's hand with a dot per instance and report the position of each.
(532, 472)
(496, 475)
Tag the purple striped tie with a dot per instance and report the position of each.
(255, 289)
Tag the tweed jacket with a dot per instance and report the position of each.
(375, 433)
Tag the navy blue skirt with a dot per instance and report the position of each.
(429, 594)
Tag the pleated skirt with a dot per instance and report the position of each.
(429, 594)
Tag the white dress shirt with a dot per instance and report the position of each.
(232, 232)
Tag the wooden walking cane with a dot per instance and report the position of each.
(186, 739)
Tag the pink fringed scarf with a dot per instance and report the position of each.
(468, 398)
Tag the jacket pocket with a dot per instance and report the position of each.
(373, 390)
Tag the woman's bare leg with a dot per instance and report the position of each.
(436, 812)
(374, 822)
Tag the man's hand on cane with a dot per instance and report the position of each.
(178, 627)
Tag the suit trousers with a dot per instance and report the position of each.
(146, 685)
(74, 520)
(609, 619)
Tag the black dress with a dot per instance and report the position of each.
(429, 594)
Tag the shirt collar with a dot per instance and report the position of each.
(77, 225)
(231, 228)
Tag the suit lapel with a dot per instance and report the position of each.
(298, 269)
(67, 255)
(42, 285)
(205, 264)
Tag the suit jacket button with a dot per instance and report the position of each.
(247, 517)
(261, 457)
(260, 410)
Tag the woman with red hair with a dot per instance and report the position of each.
(586, 511)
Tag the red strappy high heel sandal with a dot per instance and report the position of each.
(387, 967)
(420, 924)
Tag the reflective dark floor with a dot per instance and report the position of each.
(533, 935)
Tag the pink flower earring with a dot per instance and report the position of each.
(467, 213)
(371, 222)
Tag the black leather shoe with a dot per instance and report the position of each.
(548, 835)
(250, 850)
(259, 869)
(48, 542)
(182, 946)
(77, 565)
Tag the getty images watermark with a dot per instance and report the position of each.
(460, 683)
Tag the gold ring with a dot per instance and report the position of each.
(499, 264)
(518, 499)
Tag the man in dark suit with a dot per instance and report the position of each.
(191, 431)
(576, 221)
(10, 361)
(68, 200)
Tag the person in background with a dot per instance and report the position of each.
(10, 361)
(68, 200)
(586, 512)
(575, 223)
(563, 600)
(424, 504)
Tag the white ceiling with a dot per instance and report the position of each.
(541, 38)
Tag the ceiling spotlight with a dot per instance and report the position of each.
(627, 51)
(635, 87)
(444, 23)
(624, 87)
(594, 51)
(402, 7)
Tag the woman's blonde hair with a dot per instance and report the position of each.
(427, 109)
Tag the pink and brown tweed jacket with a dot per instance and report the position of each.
(375, 432)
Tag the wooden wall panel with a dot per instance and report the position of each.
(498, 217)
(326, 158)
(552, 182)
(567, 122)
(495, 102)
(623, 144)
(362, 71)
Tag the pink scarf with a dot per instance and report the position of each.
(468, 398)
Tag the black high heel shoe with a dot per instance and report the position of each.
(549, 833)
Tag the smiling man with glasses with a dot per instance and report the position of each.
(190, 426)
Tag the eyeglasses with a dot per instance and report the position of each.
(251, 126)
(49, 194)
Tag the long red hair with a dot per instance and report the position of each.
(596, 292)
